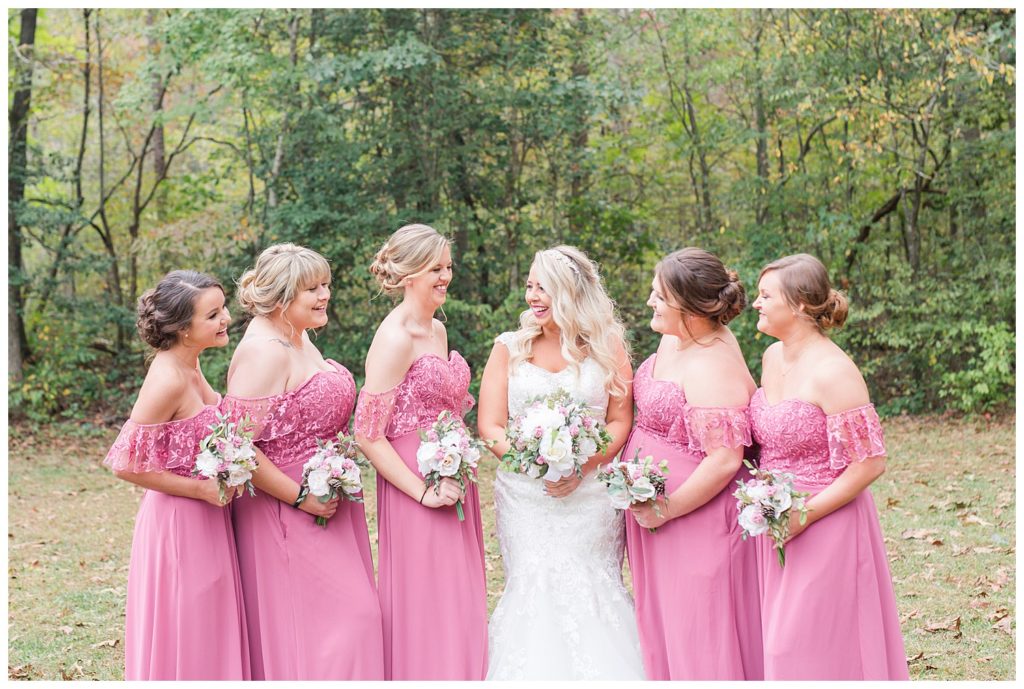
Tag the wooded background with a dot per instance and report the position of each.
(147, 140)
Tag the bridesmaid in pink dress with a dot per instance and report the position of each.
(830, 614)
(184, 618)
(310, 599)
(695, 580)
(431, 576)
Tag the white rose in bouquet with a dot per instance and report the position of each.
(450, 440)
(556, 449)
(752, 519)
(238, 474)
(351, 479)
(426, 457)
(207, 463)
(643, 490)
(449, 464)
(619, 497)
(543, 418)
(318, 485)
(780, 502)
(588, 447)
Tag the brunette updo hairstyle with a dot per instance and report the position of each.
(168, 308)
(804, 282)
(411, 251)
(281, 271)
(698, 284)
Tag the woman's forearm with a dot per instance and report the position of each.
(162, 481)
(709, 478)
(271, 480)
(389, 465)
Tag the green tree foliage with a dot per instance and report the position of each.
(880, 141)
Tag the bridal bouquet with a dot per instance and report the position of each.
(634, 481)
(227, 455)
(333, 470)
(447, 451)
(553, 438)
(764, 505)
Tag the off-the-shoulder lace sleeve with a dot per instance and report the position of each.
(373, 413)
(153, 447)
(854, 435)
(709, 428)
(269, 414)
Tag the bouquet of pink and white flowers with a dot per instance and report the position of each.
(553, 438)
(764, 505)
(447, 451)
(333, 470)
(634, 481)
(228, 455)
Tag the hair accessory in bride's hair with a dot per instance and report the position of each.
(565, 259)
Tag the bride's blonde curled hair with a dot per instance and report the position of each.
(410, 252)
(583, 312)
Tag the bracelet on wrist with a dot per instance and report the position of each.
(303, 491)
(425, 489)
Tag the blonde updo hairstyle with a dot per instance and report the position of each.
(408, 253)
(697, 283)
(280, 273)
(804, 282)
(583, 312)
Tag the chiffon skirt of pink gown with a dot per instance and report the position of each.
(694, 582)
(433, 592)
(830, 614)
(184, 617)
(309, 594)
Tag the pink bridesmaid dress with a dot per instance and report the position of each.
(830, 614)
(433, 593)
(310, 600)
(694, 580)
(184, 618)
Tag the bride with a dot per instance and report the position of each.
(564, 614)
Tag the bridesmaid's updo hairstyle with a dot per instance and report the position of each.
(168, 308)
(280, 273)
(698, 284)
(410, 252)
(804, 282)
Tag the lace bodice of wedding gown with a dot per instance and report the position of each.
(565, 613)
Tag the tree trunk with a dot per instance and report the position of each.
(761, 118)
(579, 138)
(159, 150)
(17, 342)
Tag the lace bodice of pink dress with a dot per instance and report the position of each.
(169, 446)
(431, 385)
(799, 438)
(662, 410)
(288, 425)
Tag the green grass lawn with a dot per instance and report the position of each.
(947, 505)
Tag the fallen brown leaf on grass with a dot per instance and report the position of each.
(975, 519)
(19, 672)
(1004, 625)
(113, 642)
(952, 625)
(999, 614)
(918, 533)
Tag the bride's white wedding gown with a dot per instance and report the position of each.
(565, 613)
